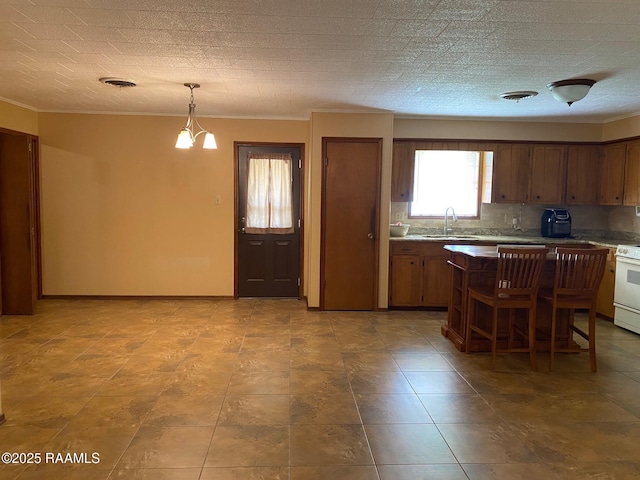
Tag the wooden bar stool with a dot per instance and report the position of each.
(516, 287)
(579, 272)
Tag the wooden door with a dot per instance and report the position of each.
(268, 260)
(612, 174)
(548, 167)
(511, 173)
(632, 175)
(583, 162)
(350, 223)
(19, 253)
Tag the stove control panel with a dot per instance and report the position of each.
(629, 251)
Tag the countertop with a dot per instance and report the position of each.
(482, 251)
(508, 239)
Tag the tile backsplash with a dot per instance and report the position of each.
(592, 221)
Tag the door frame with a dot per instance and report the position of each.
(323, 213)
(237, 224)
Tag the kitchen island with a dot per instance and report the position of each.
(475, 265)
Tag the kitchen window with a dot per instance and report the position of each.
(450, 178)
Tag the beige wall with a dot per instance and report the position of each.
(20, 119)
(376, 125)
(125, 213)
(623, 128)
(496, 130)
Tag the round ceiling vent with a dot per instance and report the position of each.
(117, 82)
(517, 96)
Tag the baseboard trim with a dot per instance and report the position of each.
(137, 297)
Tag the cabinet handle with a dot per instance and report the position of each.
(538, 197)
(503, 196)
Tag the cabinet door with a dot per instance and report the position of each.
(436, 281)
(604, 302)
(402, 172)
(632, 175)
(405, 288)
(612, 174)
(583, 162)
(511, 172)
(548, 167)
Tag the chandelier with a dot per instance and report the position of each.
(187, 136)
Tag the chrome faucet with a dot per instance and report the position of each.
(447, 228)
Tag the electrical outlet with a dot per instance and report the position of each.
(399, 217)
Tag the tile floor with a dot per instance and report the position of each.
(264, 389)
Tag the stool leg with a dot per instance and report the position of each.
(532, 338)
(494, 338)
(592, 338)
(552, 348)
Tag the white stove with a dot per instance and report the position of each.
(626, 298)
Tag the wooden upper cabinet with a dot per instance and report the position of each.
(548, 173)
(511, 174)
(632, 175)
(402, 171)
(612, 174)
(583, 162)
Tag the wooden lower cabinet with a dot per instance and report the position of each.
(419, 275)
(604, 303)
(405, 281)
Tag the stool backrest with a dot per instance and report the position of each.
(579, 271)
(519, 270)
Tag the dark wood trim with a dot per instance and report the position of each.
(2, 418)
(323, 228)
(35, 145)
(301, 146)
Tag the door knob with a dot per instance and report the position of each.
(370, 236)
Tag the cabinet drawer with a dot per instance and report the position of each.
(405, 248)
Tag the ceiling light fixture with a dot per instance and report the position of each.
(517, 96)
(187, 137)
(569, 91)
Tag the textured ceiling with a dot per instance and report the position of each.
(286, 58)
